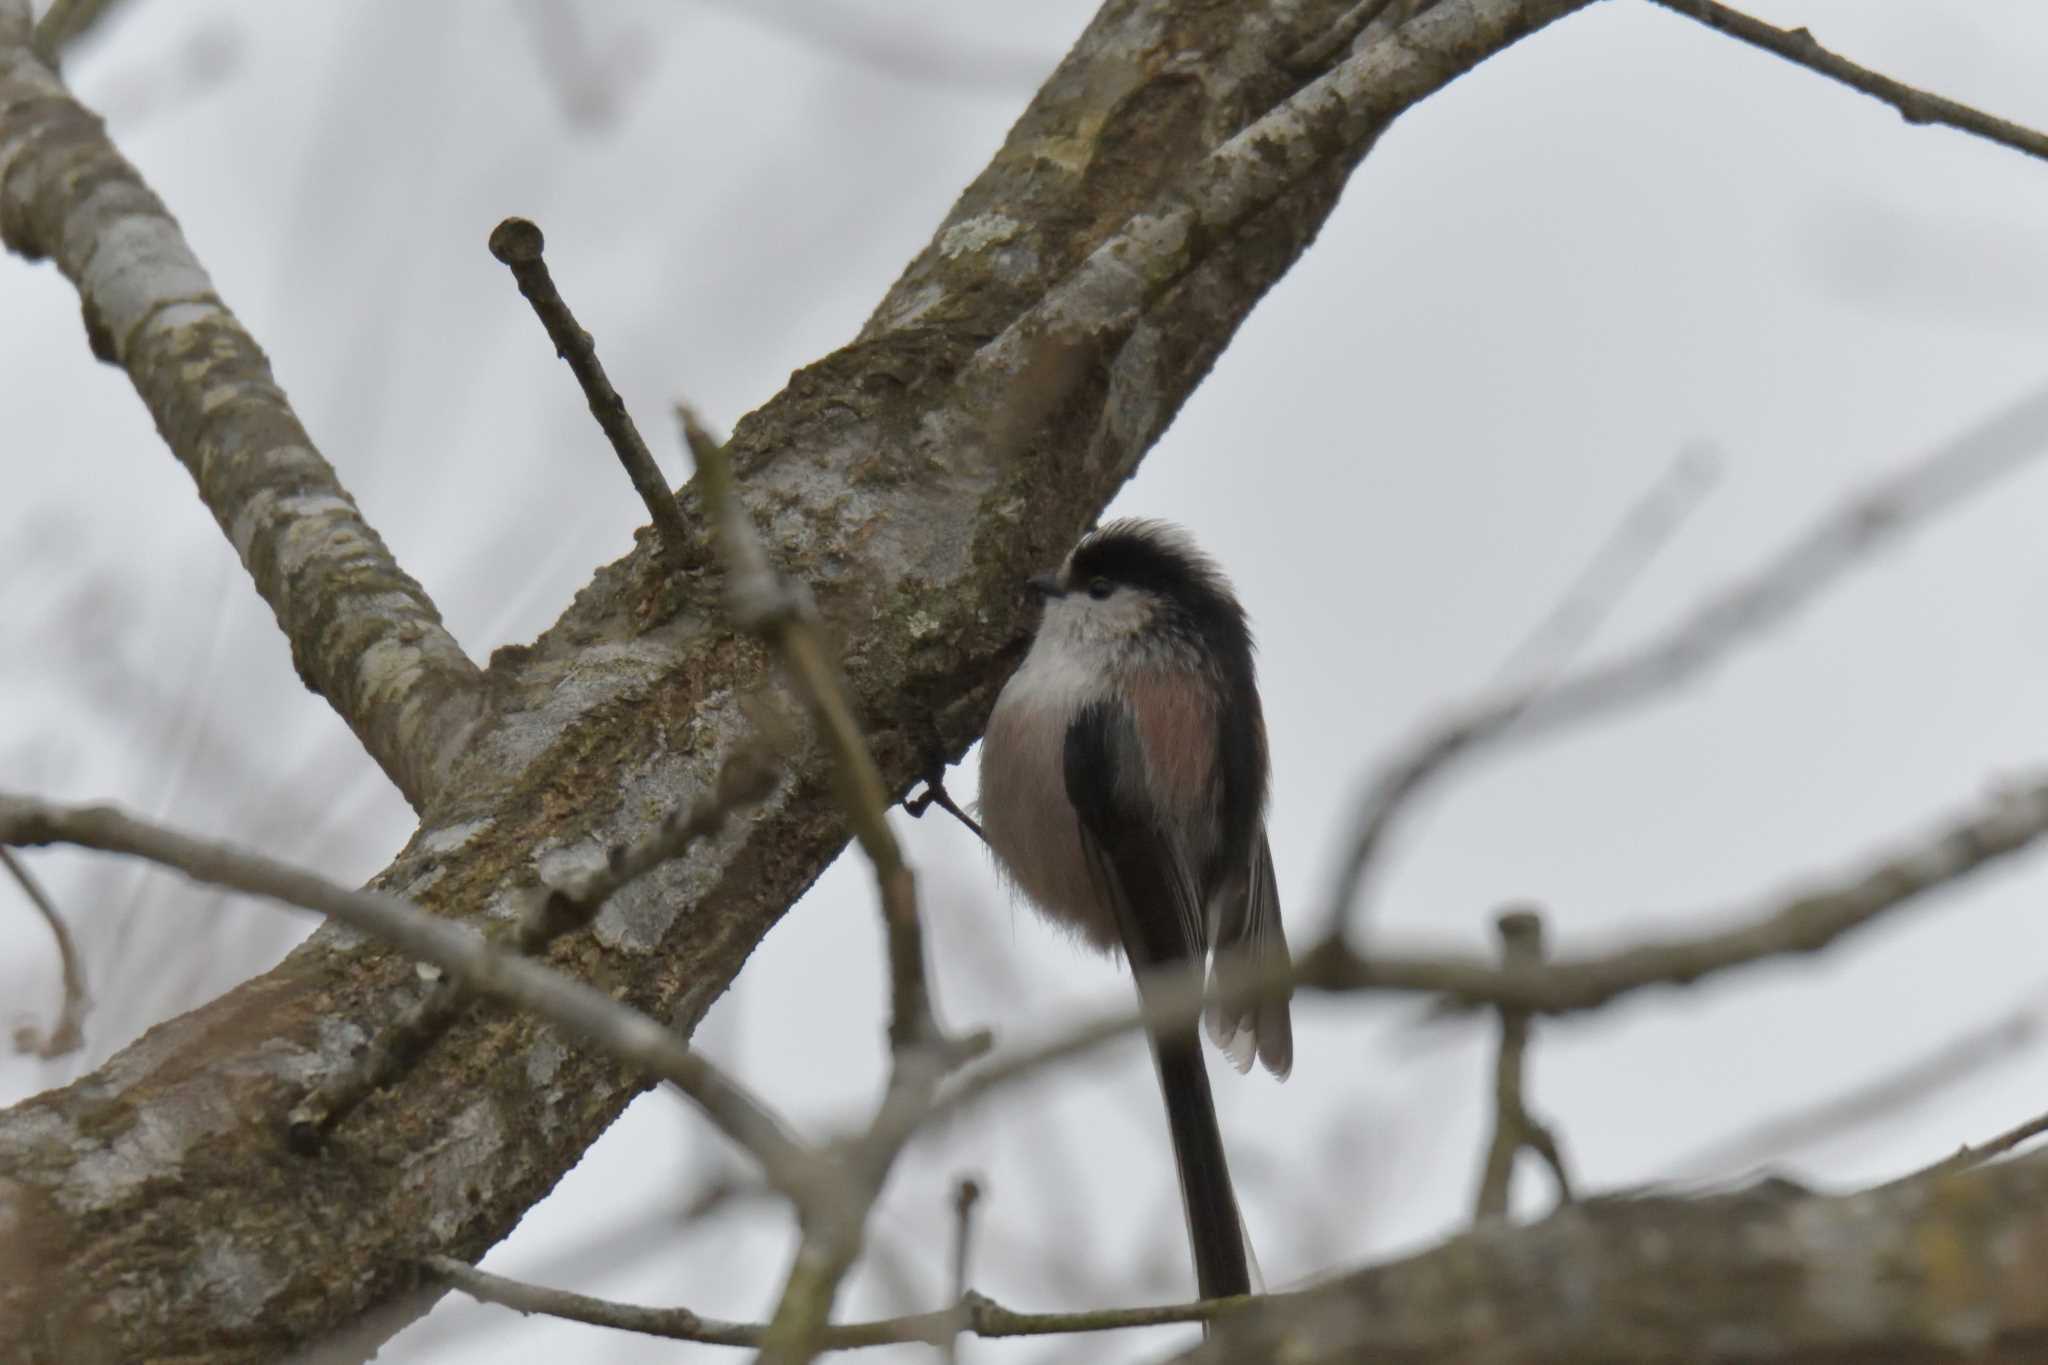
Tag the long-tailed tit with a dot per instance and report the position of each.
(1123, 788)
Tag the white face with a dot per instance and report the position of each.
(1100, 618)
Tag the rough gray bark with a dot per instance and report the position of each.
(1942, 1269)
(363, 634)
(152, 1209)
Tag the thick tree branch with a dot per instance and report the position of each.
(1928, 1270)
(1914, 105)
(1931, 1272)
(465, 955)
(571, 904)
(876, 473)
(363, 634)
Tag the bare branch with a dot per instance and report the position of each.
(1515, 1129)
(1968, 1157)
(67, 1035)
(966, 1194)
(1918, 1080)
(519, 244)
(1914, 105)
(2013, 821)
(763, 602)
(489, 971)
(363, 634)
(745, 779)
(975, 1315)
(1104, 296)
(1928, 1273)
(1846, 537)
(781, 612)
(909, 498)
(66, 21)
(1620, 561)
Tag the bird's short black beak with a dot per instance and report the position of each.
(1045, 585)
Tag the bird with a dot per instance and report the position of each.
(1124, 781)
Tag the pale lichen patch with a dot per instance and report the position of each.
(106, 1173)
(315, 526)
(543, 1060)
(225, 1272)
(978, 233)
(445, 1175)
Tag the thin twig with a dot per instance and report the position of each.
(1918, 1080)
(363, 633)
(457, 949)
(1649, 525)
(1805, 923)
(966, 1194)
(744, 779)
(781, 612)
(975, 1315)
(1914, 105)
(1743, 612)
(67, 1035)
(1965, 1158)
(1515, 1129)
(762, 601)
(519, 243)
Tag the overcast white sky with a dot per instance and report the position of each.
(1627, 236)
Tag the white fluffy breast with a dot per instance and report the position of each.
(1025, 812)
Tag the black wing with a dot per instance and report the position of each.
(1143, 874)
(1136, 863)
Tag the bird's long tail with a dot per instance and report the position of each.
(1214, 1231)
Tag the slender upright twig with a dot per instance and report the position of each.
(1515, 1129)
(966, 1194)
(764, 602)
(519, 243)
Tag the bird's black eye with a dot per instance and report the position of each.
(1099, 588)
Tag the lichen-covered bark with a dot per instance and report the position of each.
(1950, 1268)
(362, 633)
(153, 1210)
